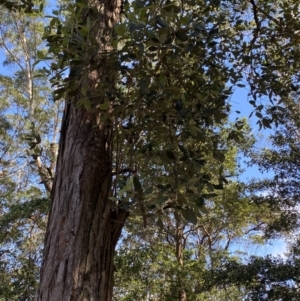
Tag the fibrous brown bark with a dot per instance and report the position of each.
(84, 226)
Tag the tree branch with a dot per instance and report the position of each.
(257, 8)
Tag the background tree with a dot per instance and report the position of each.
(275, 278)
(170, 260)
(28, 144)
(282, 160)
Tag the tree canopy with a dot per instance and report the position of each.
(146, 145)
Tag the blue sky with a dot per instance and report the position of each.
(239, 102)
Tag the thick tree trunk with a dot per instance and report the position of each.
(84, 226)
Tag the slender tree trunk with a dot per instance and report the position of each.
(180, 260)
(84, 226)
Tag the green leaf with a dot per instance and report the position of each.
(203, 209)
(223, 179)
(209, 195)
(53, 21)
(59, 93)
(218, 155)
(165, 157)
(104, 106)
(283, 110)
(41, 7)
(86, 103)
(170, 155)
(161, 187)
(160, 224)
(38, 138)
(258, 114)
(171, 8)
(221, 169)
(161, 22)
(120, 29)
(181, 147)
(182, 36)
(139, 3)
(189, 215)
(83, 91)
(200, 201)
(148, 190)
(40, 54)
(210, 186)
(185, 19)
(218, 186)
(144, 84)
(137, 184)
(194, 131)
(129, 181)
(266, 123)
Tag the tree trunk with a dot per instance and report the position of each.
(84, 226)
(180, 246)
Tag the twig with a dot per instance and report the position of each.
(257, 8)
(124, 170)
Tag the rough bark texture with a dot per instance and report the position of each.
(83, 226)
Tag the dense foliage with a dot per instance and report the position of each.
(170, 70)
(27, 117)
